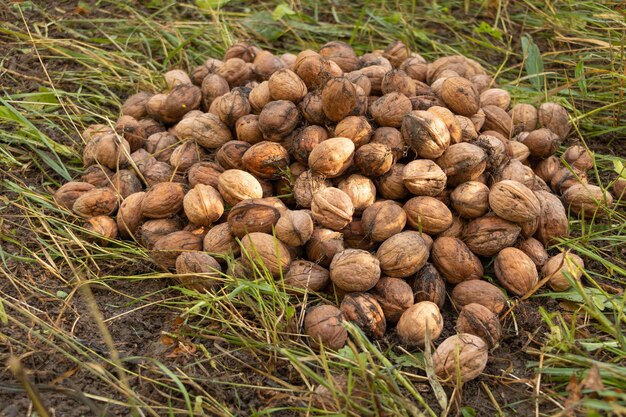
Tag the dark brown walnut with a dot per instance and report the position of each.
(203, 205)
(161, 145)
(180, 100)
(97, 175)
(129, 216)
(587, 200)
(129, 128)
(424, 102)
(185, 155)
(564, 178)
(403, 254)
(454, 260)
(125, 182)
(426, 133)
(323, 246)
(252, 215)
(355, 128)
(96, 202)
(168, 247)
(197, 271)
(392, 138)
(230, 155)
(465, 67)
(307, 139)
(524, 117)
(242, 50)
(540, 142)
(478, 320)
(235, 71)
(415, 67)
(460, 357)
(529, 228)
(427, 214)
(135, 105)
(363, 310)
(488, 235)
(307, 275)
(360, 189)
(207, 130)
(354, 270)
(373, 159)
(332, 208)
(398, 81)
(456, 135)
(278, 119)
(495, 97)
(236, 185)
(375, 73)
(554, 117)
(285, 84)
(498, 120)
(101, 229)
(460, 96)
(294, 227)
(394, 296)
(354, 235)
(470, 199)
(419, 323)
(480, 292)
(427, 285)
(265, 64)
(553, 221)
(220, 240)
(306, 185)
(163, 200)
(213, 86)
(339, 98)
(323, 326)
(267, 160)
(259, 97)
(382, 220)
(332, 157)
(108, 150)
(390, 109)
(514, 201)
(311, 109)
(152, 230)
(516, 271)
(494, 147)
(204, 173)
(68, 193)
(578, 157)
(375, 57)
(462, 162)
(423, 177)
(265, 251)
(247, 129)
(561, 269)
(312, 68)
(391, 186)
(397, 52)
(534, 250)
(342, 54)
(231, 106)
(205, 69)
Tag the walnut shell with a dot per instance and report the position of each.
(524, 117)
(168, 247)
(578, 157)
(354, 270)
(252, 215)
(460, 96)
(323, 326)
(418, 320)
(212, 87)
(534, 250)
(207, 130)
(332, 157)
(96, 202)
(426, 133)
(553, 116)
(294, 228)
(403, 254)
(181, 99)
(455, 261)
(560, 268)
(109, 150)
(323, 246)
(495, 97)
(460, 357)
(478, 320)
(398, 81)
(354, 236)
(394, 296)
(456, 134)
(498, 120)
(339, 98)
(423, 177)
(587, 200)
(355, 128)
(360, 189)
(231, 106)
(363, 310)
(266, 252)
(516, 271)
(267, 160)
(102, 229)
(383, 219)
(197, 270)
(235, 71)
(540, 142)
(236, 185)
(392, 138)
(332, 208)
(390, 109)
(307, 275)
(391, 185)
(203, 205)
(553, 221)
(470, 199)
(463, 162)
(306, 185)
(278, 119)
(489, 234)
(265, 64)
(134, 133)
(135, 105)
(428, 214)
(514, 201)
(68, 193)
(480, 292)
(129, 217)
(161, 145)
(220, 240)
(373, 159)
(285, 84)
(306, 140)
(427, 285)
(97, 175)
(163, 200)
(259, 97)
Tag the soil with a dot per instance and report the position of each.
(146, 329)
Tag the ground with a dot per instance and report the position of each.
(101, 331)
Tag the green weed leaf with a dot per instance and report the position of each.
(281, 11)
(492, 31)
(533, 62)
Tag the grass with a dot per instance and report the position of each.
(236, 350)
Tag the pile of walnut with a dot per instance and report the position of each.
(382, 179)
